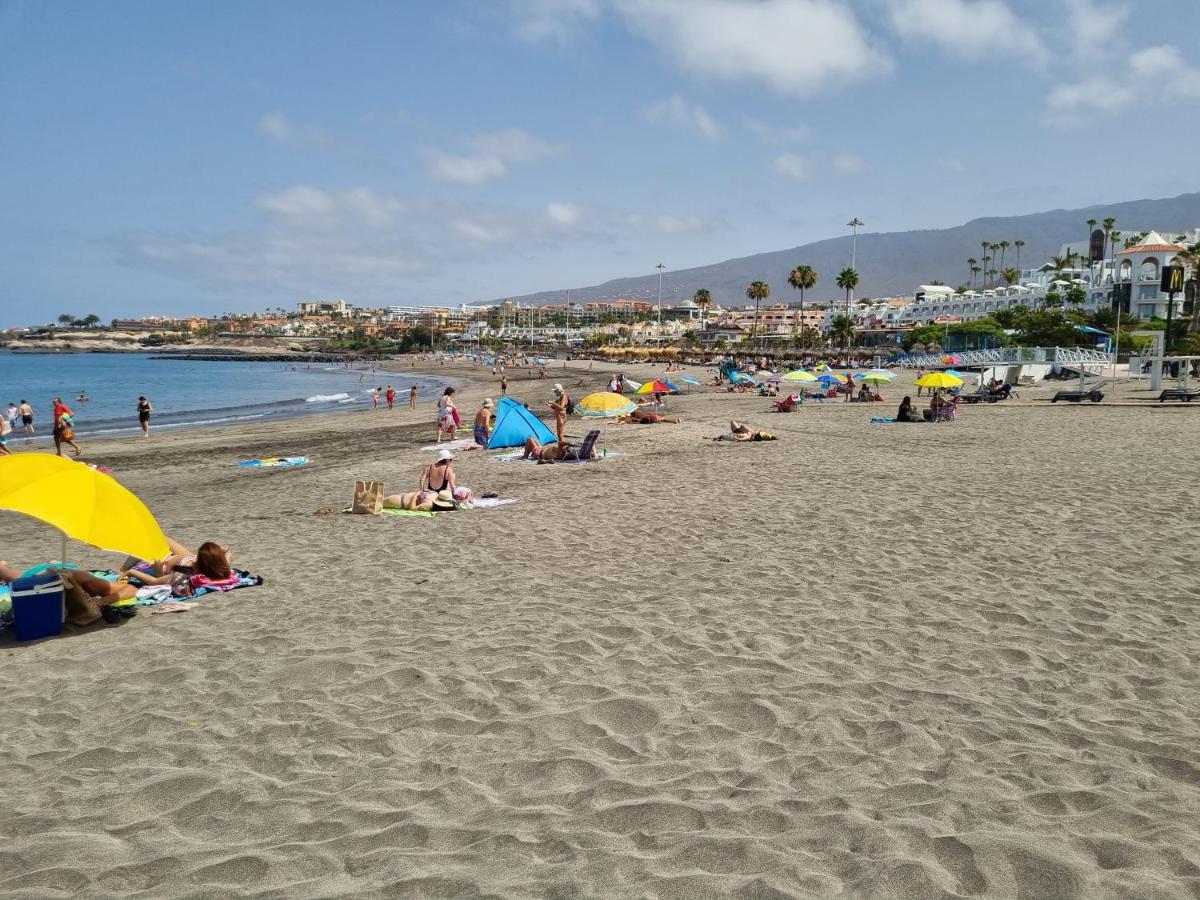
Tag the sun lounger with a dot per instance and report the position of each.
(1179, 394)
(1095, 395)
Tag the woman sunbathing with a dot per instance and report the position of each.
(740, 431)
(534, 449)
(436, 477)
(207, 567)
(642, 416)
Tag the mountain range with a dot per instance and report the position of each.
(893, 263)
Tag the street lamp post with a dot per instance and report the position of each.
(854, 223)
(660, 268)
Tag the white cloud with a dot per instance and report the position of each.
(1172, 80)
(564, 213)
(1093, 26)
(969, 29)
(472, 169)
(513, 145)
(495, 152)
(791, 165)
(282, 130)
(849, 164)
(677, 110)
(478, 231)
(666, 224)
(796, 47)
(307, 206)
(776, 134)
(557, 21)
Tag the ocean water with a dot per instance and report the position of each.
(187, 394)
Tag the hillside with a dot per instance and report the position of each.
(894, 263)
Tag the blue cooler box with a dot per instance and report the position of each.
(39, 607)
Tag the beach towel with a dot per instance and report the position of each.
(456, 444)
(882, 420)
(408, 513)
(155, 595)
(491, 502)
(516, 457)
(274, 462)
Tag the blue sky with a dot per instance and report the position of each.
(172, 157)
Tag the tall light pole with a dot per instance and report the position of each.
(660, 268)
(854, 223)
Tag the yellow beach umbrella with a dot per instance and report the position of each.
(938, 380)
(82, 503)
(605, 404)
(799, 375)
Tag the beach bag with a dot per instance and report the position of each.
(368, 497)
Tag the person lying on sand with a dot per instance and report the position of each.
(436, 477)
(643, 416)
(740, 431)
(553, 452)
(179, 556)
(210, 564)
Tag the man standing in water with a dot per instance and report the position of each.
(412, 397)
(390, 396)
(143, 410)
(27, 417)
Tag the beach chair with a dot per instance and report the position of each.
(787, 404)
(584, 451)
(1095, 395)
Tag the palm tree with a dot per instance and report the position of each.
(971, 263)
(1108, 225)
(1018, 244)
(1003, 245)
(703, 299)
(66, 319)
(757, 291)
(985, 246)
(1189, 258)
(847, 280)
(985, 261)
(1010, 276)
(802, 278)
(842, 328)
(992, 273)
(975, 270)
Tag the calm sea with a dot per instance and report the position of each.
(188, 394)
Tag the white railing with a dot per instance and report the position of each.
(1085, 357)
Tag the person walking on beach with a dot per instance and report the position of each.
(63, 432)
(412, 397)
(390, 394)
(483, 421)
(447, 421)
(143, 410)
(503, 385)
(27, 417)
(375, 398)
(560, 405)
(920, 375)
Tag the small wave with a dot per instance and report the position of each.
(347, 400)
(327, 398)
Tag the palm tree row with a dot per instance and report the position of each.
(981, 266)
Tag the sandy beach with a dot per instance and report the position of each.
(863, 660)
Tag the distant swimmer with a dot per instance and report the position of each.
(82, 398)
(143, 410)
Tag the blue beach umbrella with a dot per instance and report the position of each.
(674, 389)
(688, 379)
(740, 378)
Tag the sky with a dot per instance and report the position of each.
(178, 158)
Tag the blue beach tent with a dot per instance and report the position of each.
(514, 423)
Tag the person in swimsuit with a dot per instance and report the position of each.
(143, 410)
(740, 431)
(535, 450)
(445, 415)
(412, 397)
(483, 421)
(436, 477)
(642, 416)
(27, 417)
(390, 396)
(560, 404)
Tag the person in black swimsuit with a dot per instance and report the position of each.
(144, 409)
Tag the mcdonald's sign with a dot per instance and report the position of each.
(1172, 279)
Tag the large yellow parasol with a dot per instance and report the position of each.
(938, 380)
(82, 503)
(604, 404)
